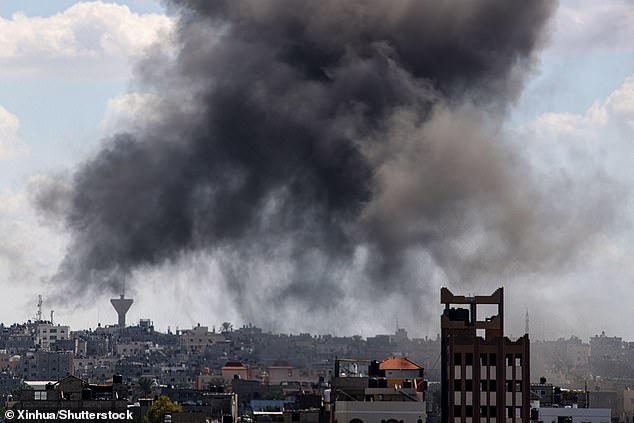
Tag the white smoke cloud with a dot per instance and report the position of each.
(127, 112)
(29, 250)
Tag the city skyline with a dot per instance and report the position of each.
(72, 77)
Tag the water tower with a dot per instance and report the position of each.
(122, 305)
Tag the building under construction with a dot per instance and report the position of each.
(485, 376)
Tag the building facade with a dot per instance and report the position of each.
(485, 376)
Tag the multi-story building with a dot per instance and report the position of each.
(44, 365)
(366, 391)
(485, 376)
(48, 334)
(198, 338)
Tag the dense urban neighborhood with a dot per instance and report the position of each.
(244, 373)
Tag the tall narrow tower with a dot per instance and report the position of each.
(122, 305)
(473, 348)
(526, 328)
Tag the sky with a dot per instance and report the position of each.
(68, 80)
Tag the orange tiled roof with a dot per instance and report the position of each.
(398, 363)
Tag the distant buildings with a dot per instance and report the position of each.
(484, 375)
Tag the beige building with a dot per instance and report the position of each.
(48, 334)
(235, 370)
(198, 338)
(135, 348)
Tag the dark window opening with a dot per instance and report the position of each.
(457, 411)
(457, 359)
(469, 411)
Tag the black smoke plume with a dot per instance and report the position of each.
(348, 148)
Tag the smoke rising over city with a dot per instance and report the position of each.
(335, 150)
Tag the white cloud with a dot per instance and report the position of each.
(585, 25)
(10, 145)
(620, 105)
(89, 38)
(613, 114)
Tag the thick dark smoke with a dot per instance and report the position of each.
(345, 146)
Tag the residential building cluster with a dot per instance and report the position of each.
(470, 372)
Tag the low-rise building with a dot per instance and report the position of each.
(234, 370)
(574, 415)
(71, 393)
(362, 392)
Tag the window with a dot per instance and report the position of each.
(469, 411)
(40, 395)
(457, 411)
(483, 385)
(483, 359)
(493, 411)
(509, 386)
(509, 412)
(492, 385)
(468, 385)
(457, 385)
(518, 386)
(509, 359)
(469, 359)
(483, 411)
(492, 359)
(457, 359)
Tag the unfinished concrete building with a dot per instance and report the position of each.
(485, 376)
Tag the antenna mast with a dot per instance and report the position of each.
(39, 308)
